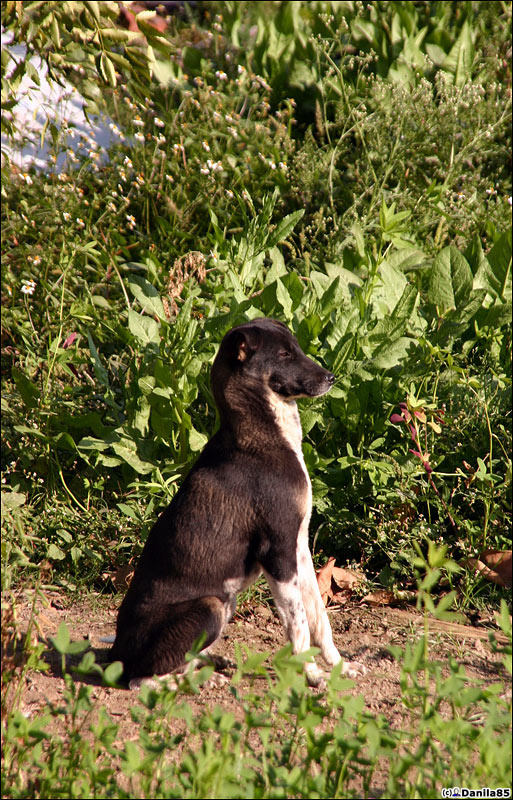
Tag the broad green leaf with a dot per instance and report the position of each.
(284, 228)
(145, 329)
(499, 259)
(131, 458)
(460, 59)
(197, 440)
(451, 280)
(147, 295)
(12, 500)
(29, 392)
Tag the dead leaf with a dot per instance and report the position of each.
(347, 578)
(122, 577)
(324, 575)
(493, 565)
(381, 597)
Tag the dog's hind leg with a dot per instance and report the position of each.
(162, 649)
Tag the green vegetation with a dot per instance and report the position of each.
(343, 167)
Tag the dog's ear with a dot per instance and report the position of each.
(241, 343)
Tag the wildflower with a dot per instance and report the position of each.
(36, 260)
(69, 340)
(111, 206)
(222, 76)
(491, 191)
(28, 287)
(198, 81)
(217, 116)
(139, 179)
(26, 177)
(138, 121)
(229, 194)
(204, 170)
(139, 136)
(205, 146)
(80, 222)
(214, 166)
(283, 165)
(66, 215)
(178, 148)
(169, 178)
(461, 196)
(160, 140)
(122, 175)
(232, 132)
(131, 221)
(159, 122)
(241, 69)
(127, 162)
(509, 199)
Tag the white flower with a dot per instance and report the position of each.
(36, 260)
(509, 199)
(139, 136)
(80, 222)
(221, 75)
(491, 191)
(28, 287)
(205, 146)
(131, 221)
(66, 215)
(138, 121)
(229, 193)
(232, 132)
(283, 165)
(170, 178)
(26, 177)
(159, 122)
(128, 163)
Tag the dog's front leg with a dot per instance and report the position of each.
(317, 616)
(289, 602)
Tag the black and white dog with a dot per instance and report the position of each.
(243, 509)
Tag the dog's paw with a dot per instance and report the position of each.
(354, 669)
(216, 681)
(170, 681)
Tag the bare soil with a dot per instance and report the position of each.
(361, 634)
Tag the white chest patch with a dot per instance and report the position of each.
(289, 424)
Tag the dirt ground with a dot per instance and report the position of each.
(361, 633)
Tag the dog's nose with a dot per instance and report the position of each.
(329, 378)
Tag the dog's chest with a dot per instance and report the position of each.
(289, 424)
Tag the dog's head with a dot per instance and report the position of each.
(263, 355)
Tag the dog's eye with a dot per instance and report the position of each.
(284, 354)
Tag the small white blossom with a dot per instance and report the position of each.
(138, 121)
(80, 222)
(159, 122)
(28, 287)
(139, 136)
(222, 76)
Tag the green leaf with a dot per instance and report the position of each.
(451, 279)
(29, 392)
(147, 295)
(145, 329)
(112, 673)
(460, 59)
(11, 500)
(284, 228)
(131, 458)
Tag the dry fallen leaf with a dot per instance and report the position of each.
(494, 565)
(336, 584)
(324, 575)
(122, 577)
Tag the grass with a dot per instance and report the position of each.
(345, 170)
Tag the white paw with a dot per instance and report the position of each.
(217, 681)
(353, 669)
(154, 683)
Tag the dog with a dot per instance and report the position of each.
(243, 510)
